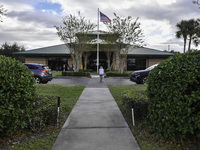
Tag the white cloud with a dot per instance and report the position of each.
(166, 2)
(34, 28)
(17, 6)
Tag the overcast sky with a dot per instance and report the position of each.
(31, 22)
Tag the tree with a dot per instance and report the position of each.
(182, 32)
(2, 12)
(196, 38)
(196, 2)
(74, 34)
(128, 35)
(188, 29)
(193, 32)
(8, 50)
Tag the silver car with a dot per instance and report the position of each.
(42, 73)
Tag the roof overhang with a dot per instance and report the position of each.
(63, 51)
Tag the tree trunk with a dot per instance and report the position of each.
(122, 62)
(120, 65)
(85, 60)
(184, 45)
(108, 54)
(74, 62)
(77, 62)
(113, 62)
(189, 45)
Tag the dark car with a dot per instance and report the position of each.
(140, 76)
(42, 73)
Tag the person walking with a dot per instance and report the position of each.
(101, 72)
(63, 67)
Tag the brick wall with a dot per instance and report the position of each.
(40, 60)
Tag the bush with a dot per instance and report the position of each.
(140, 104)
(116, 74)
(88, 70)
(72, 73)
(44, 112)
(174, 96)
(16, 94)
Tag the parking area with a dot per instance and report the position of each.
(92, 82)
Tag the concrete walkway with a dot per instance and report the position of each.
(96, 123)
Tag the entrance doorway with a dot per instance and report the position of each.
(92, 61)
(57, 63)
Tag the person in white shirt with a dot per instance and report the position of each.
(101, 72)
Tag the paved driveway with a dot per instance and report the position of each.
(92, 82)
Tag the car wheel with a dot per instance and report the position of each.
(143, 80)
(37, 80)
(44, 82)
(137, 82)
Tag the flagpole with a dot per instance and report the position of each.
(98, 42)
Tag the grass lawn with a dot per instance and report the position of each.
(69, 95)
(145, 140)
(56, 73)
(118, 90)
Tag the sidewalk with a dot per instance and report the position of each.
(95, 123)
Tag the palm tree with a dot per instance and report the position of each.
(193, 32)
(196, 38)
(182, 31)
(189, 28)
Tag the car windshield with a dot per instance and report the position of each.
(45, 67)
(151, 67)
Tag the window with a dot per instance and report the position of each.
(57, 63)
(31, 66)
(136, 64)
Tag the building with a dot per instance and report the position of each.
(57, 56)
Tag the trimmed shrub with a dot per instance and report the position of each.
(72, 73)
(44, 112)
(16, 94)
(116, 74)
(174, 96)
(140, 104)
(88, 70)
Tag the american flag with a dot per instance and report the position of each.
(104, 18)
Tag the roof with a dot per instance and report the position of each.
(57, 50)
(144, 51)
(63, 50)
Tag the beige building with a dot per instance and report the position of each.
(57, 56)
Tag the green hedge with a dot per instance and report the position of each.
(140, 104)
(72, 73)
(88, 70)
(174, 96)
(16, 95)
(116, 74)
(44, 112)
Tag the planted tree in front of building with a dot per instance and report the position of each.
(72, 27)
(129, 36)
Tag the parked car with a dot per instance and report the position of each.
(140, 76)
(42, 73)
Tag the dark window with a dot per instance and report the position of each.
(31, 67)
(136, 64)
(57, 63)
(92, 61)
